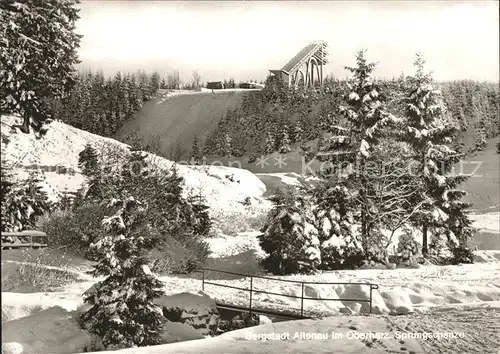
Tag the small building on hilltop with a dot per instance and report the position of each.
(215, 85)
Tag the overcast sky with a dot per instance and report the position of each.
(245, 39)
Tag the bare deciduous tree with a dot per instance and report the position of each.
(196, 79)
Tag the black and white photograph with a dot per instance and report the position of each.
(228, 177)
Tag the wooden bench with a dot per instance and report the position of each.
(24, 239)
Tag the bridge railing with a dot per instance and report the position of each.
(251, 290)
(27, 238)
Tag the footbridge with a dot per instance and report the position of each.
(277, 309)
(305, 69)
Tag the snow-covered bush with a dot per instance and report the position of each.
(123, 312)
(289, 236)
(408, 247)
(76, 227)
(340, 247)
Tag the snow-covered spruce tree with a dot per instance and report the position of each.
(88, 160)
(195, 149)
(123, 314)
(334, 209)
(408, 248)
(351, 148)
(298, 131)
(171, 214)
(98, 186)
(227, 145)
(285, 143)
(23, 202)
(429, 133)
(37, 56)
(481, 140)
(269, 143)
(289, 236)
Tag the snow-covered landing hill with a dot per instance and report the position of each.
(57, 154)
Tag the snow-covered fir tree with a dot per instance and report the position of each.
(195, 149)
(289, 236)
(227, 145)
(269, 143)
(23, 202)
(38, 52)
(481, 140)
(285, 143)
(430, 132)
(298, 131)
(123, 313)
(352, 147)
(334, 211)
(88, 160)
(408, 248)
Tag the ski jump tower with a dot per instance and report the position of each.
(306, 68)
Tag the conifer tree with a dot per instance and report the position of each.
(155, 81)
(88, 160)
(284, 143)
(351, 148)
(208, 145)
(123, 313)
(289, 236)
(38, 51)
(23, 202)
(481, 140)
(195, 149)
(227, 145)
(429, 133)
(299, 131)
(269, 143)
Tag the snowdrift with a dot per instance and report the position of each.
(57, 154)
(57, 331)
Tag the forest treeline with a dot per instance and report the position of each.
(101, 105)
(278, 118)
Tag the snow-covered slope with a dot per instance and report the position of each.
(224, 187)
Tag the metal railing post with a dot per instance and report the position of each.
(371, 298)
(251, 291)
(203, 279)
(302, 301)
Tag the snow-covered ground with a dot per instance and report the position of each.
(224, 187)
(400, 291)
